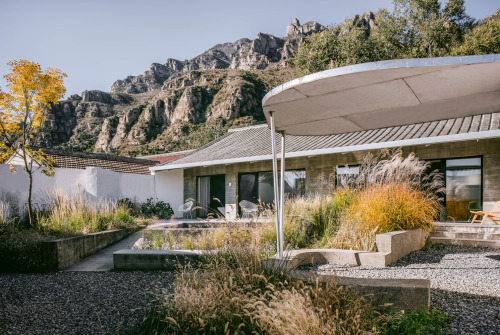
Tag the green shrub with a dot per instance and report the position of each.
(160, 209)
(22, 250)
(132, 206)
(433, 322)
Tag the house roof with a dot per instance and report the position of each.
(81, 160)
(385, 94)
(254, 143)
(167, 157)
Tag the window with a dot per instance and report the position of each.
(463, 186)
(259, 185)
(346, 174)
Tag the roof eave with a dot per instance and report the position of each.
(371, 146)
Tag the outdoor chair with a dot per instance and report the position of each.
(473, 206)
(493, 215)
(248, 208)
(187, 208)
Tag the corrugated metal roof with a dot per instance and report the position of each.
(254, 143)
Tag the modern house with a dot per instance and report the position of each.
(445, 110)
(237, 166)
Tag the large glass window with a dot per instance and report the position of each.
(463, 186)
(346, 174)
(259, 185)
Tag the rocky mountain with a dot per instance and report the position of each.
(181, 104)
(243, 54)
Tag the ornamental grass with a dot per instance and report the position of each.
(235, 292)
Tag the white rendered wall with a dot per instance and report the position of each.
(95, 183)
(101, 183)
(170, 188)
(14, 185)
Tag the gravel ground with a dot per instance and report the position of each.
(465, 283)
(77, 302)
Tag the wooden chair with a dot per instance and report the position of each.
(493, 215)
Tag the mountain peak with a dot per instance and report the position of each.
(308, 28)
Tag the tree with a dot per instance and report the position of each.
(484, 39)
(414, 29)
(23, 111)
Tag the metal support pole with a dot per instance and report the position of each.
(282, 195)
(275, 181)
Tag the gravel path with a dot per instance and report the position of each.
(77, 302)
(465, 283)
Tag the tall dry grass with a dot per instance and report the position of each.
(234, 292)
(223, 237)
(72, 215)
(391, 192)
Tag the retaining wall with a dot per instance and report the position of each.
(64, 252)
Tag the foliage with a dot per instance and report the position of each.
(433, 322)
(159, 209)
(74, 215)
(23, 112)
(414, 29)
(484, 39)
(225, 236)
(60, 216)
(22, 250)
(148, 209)
(235, 292)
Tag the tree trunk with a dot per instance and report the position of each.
(30, 208)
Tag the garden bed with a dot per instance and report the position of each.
(63, 252)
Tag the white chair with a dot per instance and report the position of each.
(248, 208)
(187, 207)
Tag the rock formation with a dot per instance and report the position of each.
(243, 54)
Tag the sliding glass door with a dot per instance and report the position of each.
(211, 195)
(463, 187)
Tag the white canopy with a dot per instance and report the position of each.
(384, 94)
(377, 95)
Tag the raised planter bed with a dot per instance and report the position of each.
(395, 294)
(391, 247)
(148, 260)
(64, 252)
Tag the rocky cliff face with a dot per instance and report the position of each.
(202, 103)
(179, 104)
(243, 54)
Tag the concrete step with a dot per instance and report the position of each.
(458, 234)
(469, 229)
(467, 242)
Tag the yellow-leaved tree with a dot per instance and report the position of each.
(23, 110)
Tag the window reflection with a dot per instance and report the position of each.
(463, 186)
(251, 190)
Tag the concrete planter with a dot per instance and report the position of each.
(148, 260)
(391, 247)
(64, 252)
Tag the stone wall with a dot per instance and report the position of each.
(323, 166)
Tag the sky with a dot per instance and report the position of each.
(96, 42)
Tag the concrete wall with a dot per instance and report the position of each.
(323, 166)
(64, 252)
(14, 185)
(95, 183)
(169, 186)
(101, 183)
